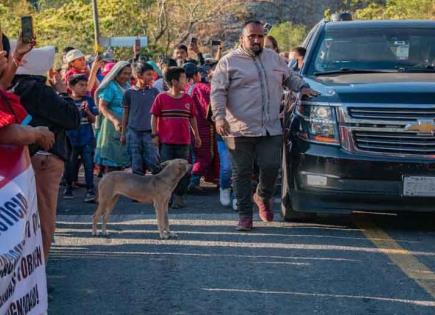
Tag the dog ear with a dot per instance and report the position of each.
(165, 163)
(182, 168)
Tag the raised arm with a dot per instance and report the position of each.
(220, 49)
(93, 73)
(14, 61)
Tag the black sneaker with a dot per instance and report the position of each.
(90, 196)
(67, 194)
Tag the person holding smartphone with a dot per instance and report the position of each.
(14, 128)
(195, 48)
(14, 59)
(51, 107)
(181, 53)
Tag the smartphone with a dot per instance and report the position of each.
(194, 41)
(267, 27)
(1, 38)
(137, 42)
(215, 42)
(163, 59)
(27, 29)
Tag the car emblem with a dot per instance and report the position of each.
(422, 126)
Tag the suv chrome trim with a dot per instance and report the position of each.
(387, 136)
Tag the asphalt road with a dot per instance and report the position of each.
(337, 265)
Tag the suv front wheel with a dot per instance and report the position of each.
(287, 212)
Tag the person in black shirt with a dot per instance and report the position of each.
(51, 107)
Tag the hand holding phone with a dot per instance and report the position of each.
(194, 45)
(26, 41)
(267, 28)
(136, 47)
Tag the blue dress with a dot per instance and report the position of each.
(109, 150)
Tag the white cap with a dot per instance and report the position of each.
(73, 55)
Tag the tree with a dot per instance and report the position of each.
(69, 23)
(399, 9)
(288, 35)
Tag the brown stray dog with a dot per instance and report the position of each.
(154, 189)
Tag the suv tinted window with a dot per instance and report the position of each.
(386, 49)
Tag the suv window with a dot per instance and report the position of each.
(375, 49)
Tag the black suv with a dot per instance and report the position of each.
(367, 141)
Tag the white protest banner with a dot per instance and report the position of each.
(123, 41)
(23, 286)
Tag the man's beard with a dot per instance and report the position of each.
(180, 62)
(256, 49)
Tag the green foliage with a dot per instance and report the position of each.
(288, 35)
(399, 9)
(70, 22)
(352, 6)
(168, 22)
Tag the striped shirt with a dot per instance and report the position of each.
(173, 118)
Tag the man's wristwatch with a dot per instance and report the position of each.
(154, 135)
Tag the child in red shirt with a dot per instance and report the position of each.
(172, 118)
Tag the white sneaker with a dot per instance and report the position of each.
(225, 197)
(235, 204)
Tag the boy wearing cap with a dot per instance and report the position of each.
(82, 139)
(205, 162)
(76, 61)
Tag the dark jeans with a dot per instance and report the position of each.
(143, 153)
(87, 157)
(177, 151)
(266, 151)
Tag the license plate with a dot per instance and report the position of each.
(418, 186)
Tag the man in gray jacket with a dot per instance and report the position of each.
(246, 94)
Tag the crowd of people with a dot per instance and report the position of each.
(223, 114)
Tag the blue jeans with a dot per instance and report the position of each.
(195, 179)
(87, 157)
(177, 151)
(143, 153)
(225, 171)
